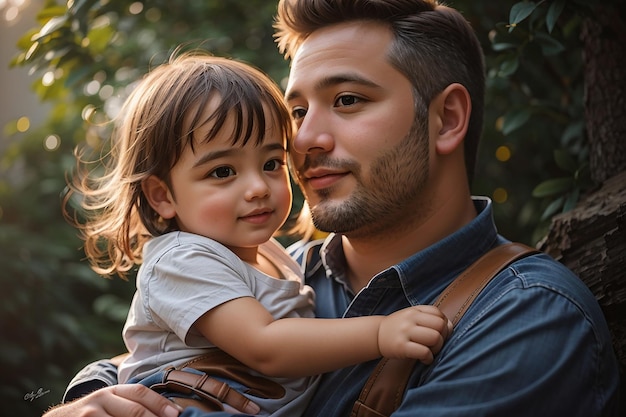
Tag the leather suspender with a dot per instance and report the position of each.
(384, 390)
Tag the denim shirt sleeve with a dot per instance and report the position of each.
(529, 348)
(91, 378)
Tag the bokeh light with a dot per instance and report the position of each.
(10, 10)
(503, 153)
(500, 195)
(23, 124)
(52, 142)
(136, 8)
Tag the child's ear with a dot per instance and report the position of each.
(158, 195)
(454, 107)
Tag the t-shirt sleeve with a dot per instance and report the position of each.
(189, 280)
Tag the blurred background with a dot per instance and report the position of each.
(65, 69)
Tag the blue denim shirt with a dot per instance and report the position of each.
(534, 342)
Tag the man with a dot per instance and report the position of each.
(387, 96)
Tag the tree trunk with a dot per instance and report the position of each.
(591, 239)
(604, 39)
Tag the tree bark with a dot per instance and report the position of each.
(591, 239)
(604, 56)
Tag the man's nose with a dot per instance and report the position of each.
(314, 134)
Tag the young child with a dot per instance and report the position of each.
(195, 187)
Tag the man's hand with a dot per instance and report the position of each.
(415, 332)
(118, 401)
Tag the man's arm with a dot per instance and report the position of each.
(94, 376)
(94, 389)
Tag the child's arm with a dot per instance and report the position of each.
(294, 347)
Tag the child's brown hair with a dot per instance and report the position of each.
(157, 122)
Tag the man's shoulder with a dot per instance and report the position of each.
(542, 270)
(540, 278)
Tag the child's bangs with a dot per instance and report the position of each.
(242, 115)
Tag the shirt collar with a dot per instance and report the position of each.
(424, 275)
(334, 260)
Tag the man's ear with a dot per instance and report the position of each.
(453, 107)
(158, 195)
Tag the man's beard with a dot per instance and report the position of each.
(377, 203)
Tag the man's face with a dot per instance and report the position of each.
(360, 159)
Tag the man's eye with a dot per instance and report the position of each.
(347, 100)
(222, 172)
(298, 113)
(273, 165)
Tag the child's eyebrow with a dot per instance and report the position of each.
(209, 156)
(274, 146)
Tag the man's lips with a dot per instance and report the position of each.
(320, 179)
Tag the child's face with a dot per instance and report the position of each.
(236, 195)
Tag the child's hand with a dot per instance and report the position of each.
(415, 332)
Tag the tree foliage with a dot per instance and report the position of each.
(85, 54)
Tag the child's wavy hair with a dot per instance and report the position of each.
(156, 123)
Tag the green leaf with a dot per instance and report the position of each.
(573, 131)
(79, 10)
(79, 6)
(549, 45)
(508, 67)
(571, 200)
(51, 11)
(554, 12)
(565, 161)
(53, 25)
(31, 51)
(502, 46)
(100, 38)
(77, 75)
(57, 53)
(553, 186)
(519, 12)
(552, 208)
(514, 120)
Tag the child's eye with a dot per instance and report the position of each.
(222, 172)
(273, 165)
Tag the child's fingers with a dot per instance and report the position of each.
(419, 352)
(432, 317)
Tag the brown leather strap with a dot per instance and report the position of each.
(216, 362)
(459, 295)
(383, 391)
(215, 393)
